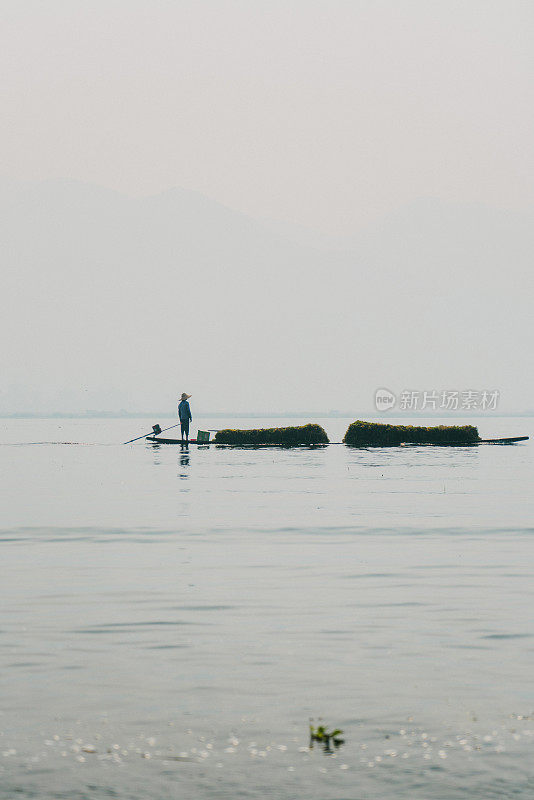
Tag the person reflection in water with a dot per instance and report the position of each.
(184, 462)
(184, 412)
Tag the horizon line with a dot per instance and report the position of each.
(332, 414)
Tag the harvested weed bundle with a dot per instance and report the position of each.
(368, 434)
(290, 437)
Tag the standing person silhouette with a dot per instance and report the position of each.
(184, 412)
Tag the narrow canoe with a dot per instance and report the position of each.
(161, 440)
(507, 440)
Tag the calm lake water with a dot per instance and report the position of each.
(172, 620)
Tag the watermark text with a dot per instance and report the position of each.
(438, 400)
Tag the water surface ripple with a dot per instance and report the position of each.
(172, 620)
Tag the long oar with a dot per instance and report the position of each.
(156, 430)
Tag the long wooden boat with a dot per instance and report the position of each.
(507, 440)
(162, 440)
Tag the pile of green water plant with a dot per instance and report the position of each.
(323, 736)
(289, 437)
(374, 434)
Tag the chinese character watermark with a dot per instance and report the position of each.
(438, 400)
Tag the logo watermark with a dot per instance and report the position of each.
(384, 400)
(438, 400)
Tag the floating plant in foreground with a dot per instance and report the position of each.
(323, 736)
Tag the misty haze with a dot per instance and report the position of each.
(116, 303)
(266, 394)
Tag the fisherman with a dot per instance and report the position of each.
(184, 412)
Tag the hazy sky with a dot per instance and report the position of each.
(325, 113)
(405, 127)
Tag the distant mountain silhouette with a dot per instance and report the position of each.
(109, 299)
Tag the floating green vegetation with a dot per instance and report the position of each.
(289, 437)
(323, 736)
(365, 434)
